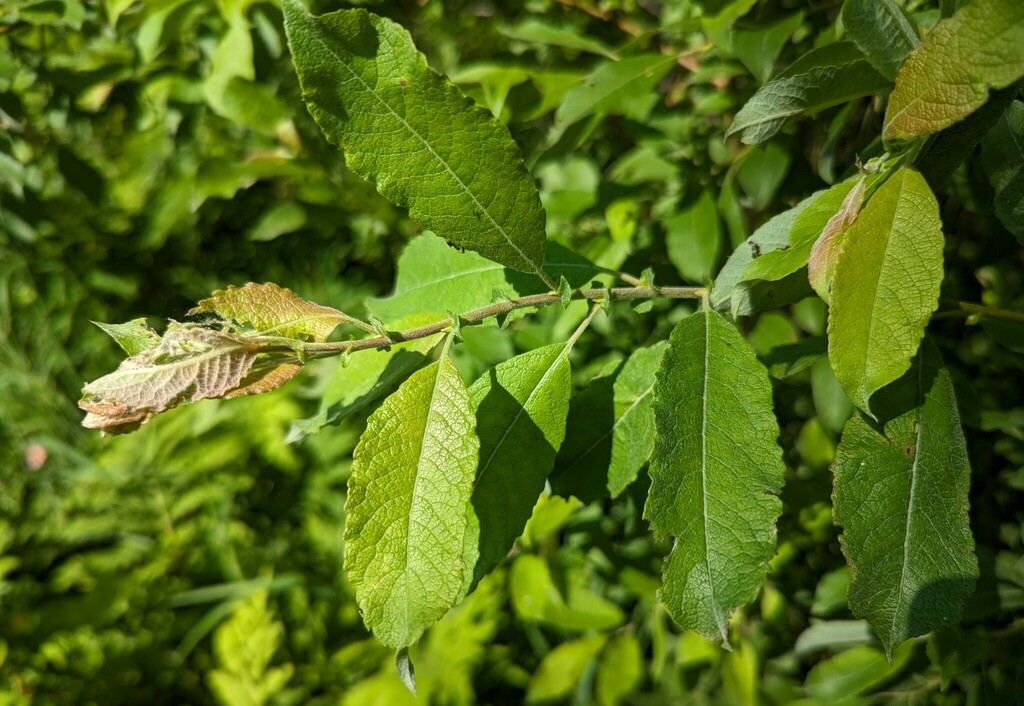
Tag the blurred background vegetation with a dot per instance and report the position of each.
(151, 152)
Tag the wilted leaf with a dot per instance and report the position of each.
(190, 363)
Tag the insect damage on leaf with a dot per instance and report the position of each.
(195, 361)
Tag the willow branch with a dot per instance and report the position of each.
(476, 316)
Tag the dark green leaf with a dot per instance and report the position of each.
(397, 120)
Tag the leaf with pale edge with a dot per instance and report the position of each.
(521, 408)
(950, 75)
(190, 363)
(885, 287)
(821, 87)
(901, 499)
(426, 145)
(406, 510)
(610, 432)
(821, 262)
(1002, 155)
(133, 336)
(715, 473)
(271, 310)
(883, 31)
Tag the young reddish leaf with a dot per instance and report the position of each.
(271, 310)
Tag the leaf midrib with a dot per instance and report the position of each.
(611, 430)
(317, 35)
(919, 424)
(704, 471)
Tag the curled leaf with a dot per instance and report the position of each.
(272, 310)
(190, 363)
(133, 336)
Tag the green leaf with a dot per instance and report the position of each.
(620, 669)
(536, 597)
(610, 432)
(1002, 155)
(562, 668)
(134, 337)
(521, 407)
(901, 499)
(886, 286)
(745, 298)
(536, 31)
(786, 98)
(762, 172)
(623, 87)
(715, 473)
(883, 31)
(411, 480)
(435, 278)
(950, 75)
(758, 49)
(270, 310)
(806, 228)
(361, 380)
(426, 145)
(694, 239)
(854, 671)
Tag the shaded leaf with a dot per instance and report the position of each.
(886, 286)
(694, 239)
(950, 75)
(610, 432)
(425, 144)
(784, 99)
(901, 498)
(715, 473)
(623, 87)
(406, 521)
(883, 31)
(271, 310)
(1003, 159)
(521, 407)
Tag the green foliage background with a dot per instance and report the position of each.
(148, 158)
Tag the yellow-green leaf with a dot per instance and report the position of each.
(950, 75)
